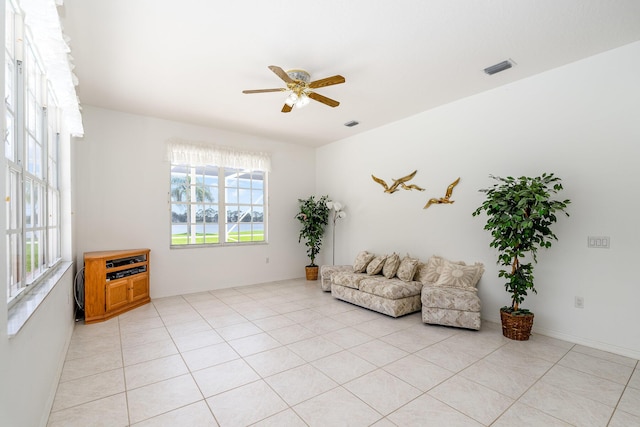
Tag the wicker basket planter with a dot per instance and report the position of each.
(516, 327)
(312, 272)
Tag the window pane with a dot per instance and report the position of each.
(257, 197)
(14, 219)
(15, 264)
(244, 181)
(233, 233)
(211, 233)
(38, 161)
(178, 213)
(9, 141)
(178, 234)
(258, 214)
(37, 206)
(244, 196)
(9, 29)
(210, 214)
(9, 71)
(231, 195)
(28, 203)
(196, 211)
(30, 242)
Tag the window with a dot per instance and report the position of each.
(213, 201)
(31, 156)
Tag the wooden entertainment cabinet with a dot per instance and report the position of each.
(114, 282)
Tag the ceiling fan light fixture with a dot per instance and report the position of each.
(291, 99)
(302, 101)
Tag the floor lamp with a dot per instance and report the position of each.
(338, 213)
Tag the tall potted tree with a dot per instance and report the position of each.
(313, 217)
(520, 212)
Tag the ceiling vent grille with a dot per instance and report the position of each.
(351, 124)
(504, 65)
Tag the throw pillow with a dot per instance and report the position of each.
(376, 264)
(430, 273)
(432, 270)
(421, 273)
(362, 260)
(391, 266)
(407, 268)
(460, 276)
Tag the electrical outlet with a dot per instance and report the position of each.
(601, 242)
(579, 302)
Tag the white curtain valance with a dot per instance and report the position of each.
(41, 18)
(200, 154)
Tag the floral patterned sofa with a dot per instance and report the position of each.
(444, 290)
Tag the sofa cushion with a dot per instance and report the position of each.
(327, 272)
(348, 279)
(407, 268)
(391, 265)
(376, 264)
(450, 298)
(390, 307)
(389, 288)
(460, 276)
(362, 260)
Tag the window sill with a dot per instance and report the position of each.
(20, 313)
(218, 245)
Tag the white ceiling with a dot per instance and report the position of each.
(189, 60)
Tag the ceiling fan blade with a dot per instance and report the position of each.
(286, 108)
(281, 73)
(328, 81)
(263, 90)
(328, 101)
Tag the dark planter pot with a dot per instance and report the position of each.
(312, 272)
(516, 327)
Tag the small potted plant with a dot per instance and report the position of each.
(520, 212)
(313, 217)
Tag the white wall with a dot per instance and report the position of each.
(32, 360)
(579, 122)
(35, 357)
(122, 202)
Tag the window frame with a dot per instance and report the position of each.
(32, 162)
(220, 204)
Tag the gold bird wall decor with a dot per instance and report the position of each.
(398, 183)
(446, 198)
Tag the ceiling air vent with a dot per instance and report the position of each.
(351, 124)
(504, 65)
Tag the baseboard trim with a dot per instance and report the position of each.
(622, 351)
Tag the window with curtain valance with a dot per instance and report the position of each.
(218, 194)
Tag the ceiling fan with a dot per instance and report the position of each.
(299, 85)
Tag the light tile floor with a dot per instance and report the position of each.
(288, 354)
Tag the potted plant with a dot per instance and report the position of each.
(313, 217)
(520, 212)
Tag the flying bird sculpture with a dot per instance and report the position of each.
(446, 198)
(398, 183)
